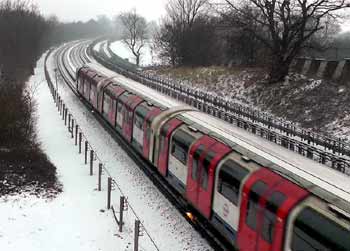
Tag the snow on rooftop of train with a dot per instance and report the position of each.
(326, 178)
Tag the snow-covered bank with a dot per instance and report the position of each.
(148, 57)
(73, 220)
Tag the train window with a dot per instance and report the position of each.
(106, 104)
(138, 121)
(181, 143)
(195, 164)
(205, 171)
(257, 190)
(148, 131)
(230, 178)
(92, 92)
(313, 231)
(140, 114)
(274, 202)
(119, 117)
(86, 87)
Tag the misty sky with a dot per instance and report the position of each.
(83, 10)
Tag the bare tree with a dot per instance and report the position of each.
(186, 33)
(185, 11)
(287, 25)
(135, 32)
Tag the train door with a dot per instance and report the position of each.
(87, 87)
(273, 218)
(148, 130)
(164, 139)
(197, 153)
(115, 92)
(207, 176)
(93, 90)
(266, 201)
(119, 119)
(180, 143)
(130, 106)
(101, 89)
(254, 189)
(106, 105)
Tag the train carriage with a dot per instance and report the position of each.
(257, 196)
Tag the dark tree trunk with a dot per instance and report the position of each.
(279, 70)
(138, 60)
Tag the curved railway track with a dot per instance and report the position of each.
(75, 54)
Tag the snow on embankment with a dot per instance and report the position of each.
(147, 55)
(72, 220)
(317, 104)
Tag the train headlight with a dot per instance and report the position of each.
(190, 216)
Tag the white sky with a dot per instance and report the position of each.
(83, 10)
(76, 10)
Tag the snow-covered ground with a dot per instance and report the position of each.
(73, 220)
(148, 57)
(97, 46)
(77, 218)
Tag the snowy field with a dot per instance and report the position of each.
(77, 219)
(148, 57)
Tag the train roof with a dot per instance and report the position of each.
(324, 182)
(145, 92)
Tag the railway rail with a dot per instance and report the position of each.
(79, 49)
(331, 152)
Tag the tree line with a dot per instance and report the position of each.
(24, 35)
(249, 32)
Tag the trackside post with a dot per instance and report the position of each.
(80, 139)
(65, 116)
(86, 150)
(109, 191)
(76, 134)
(63, 110)
(72, 129)
(99, 176)
(69, 120)
(137, 235)
(91, 162)
(121, 210)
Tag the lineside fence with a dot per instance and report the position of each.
(94, 162)
(334, 153)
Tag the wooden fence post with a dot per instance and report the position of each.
(91, 162)
(137, 235)
(63, 110)
(86, 150)
(72, 129)
(65, 116)
(76, 134)
(109, 191)
(69, 120)
(121, 210)
(80, 139)
(99, 176)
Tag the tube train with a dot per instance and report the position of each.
(259, 196)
